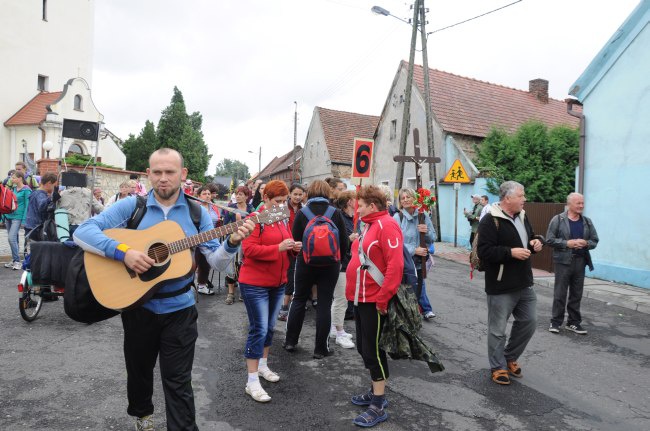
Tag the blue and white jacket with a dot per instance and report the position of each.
(409, 226)
(90, 237)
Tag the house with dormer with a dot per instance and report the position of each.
(463, 110)
(330, 141)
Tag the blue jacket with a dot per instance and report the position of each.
(37, 209)
(90, 237)
(409, 226)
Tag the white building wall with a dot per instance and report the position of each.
(59, 48)
(387, 146)
(315, 163)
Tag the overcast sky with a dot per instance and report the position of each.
(243, 63)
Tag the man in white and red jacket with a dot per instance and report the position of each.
(382, 242)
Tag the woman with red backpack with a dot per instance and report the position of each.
(321, 229)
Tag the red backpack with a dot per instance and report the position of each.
(8, 200)
(320, 241)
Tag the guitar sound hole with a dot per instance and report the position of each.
(158, 252)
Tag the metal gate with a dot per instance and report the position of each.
(540, 215)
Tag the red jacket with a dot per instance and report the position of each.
(263, 265)
(382, 242)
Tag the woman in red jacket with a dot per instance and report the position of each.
(262, 278)
(382, 242)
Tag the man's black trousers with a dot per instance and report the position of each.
(569, 278)
(171, 336)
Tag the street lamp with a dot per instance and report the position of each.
(47, 146)
(419, 21)
(381, 11)
(259, 161)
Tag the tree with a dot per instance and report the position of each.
(232, 168)
(543, 161)
(182, 132)
(137, 150)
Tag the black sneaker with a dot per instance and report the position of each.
(577, 329)
(554, 328)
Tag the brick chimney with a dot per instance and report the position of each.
(539, 89)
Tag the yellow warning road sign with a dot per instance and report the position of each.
(456, 174)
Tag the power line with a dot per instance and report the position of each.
(473, 18)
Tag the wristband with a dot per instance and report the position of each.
(120, 252)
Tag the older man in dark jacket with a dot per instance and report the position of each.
(571, 235)
(505, 243)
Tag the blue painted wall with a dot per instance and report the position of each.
(617, 194)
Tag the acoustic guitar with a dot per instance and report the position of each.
(116, 286)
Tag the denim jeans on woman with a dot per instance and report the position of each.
(13, 228)
(262, 305)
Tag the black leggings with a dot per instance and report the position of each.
(369, 324)
(325, 278)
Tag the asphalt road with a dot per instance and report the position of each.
(56, 374)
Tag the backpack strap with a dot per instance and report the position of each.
(138, 212)
(195, 211)
(308, 212)
(329, 212)
(369, 266)
(401, 216)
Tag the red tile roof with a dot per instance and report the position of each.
(282, 163)
(340, 128)
(34, 111)
(471, 107)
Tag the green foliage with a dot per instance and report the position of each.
(82, 160)
(177, 130)
(182, 132)
(233, 168)
(542, 160)
(138, 150)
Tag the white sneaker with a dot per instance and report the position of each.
(17, 265)
(334, 333)
(9, 265)
(429, 315)
(258, 393)
(344, 342)
(203, 289)
(268, 375)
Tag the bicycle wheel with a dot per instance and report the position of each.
(29, 303)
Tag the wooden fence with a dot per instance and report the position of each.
(540, 215)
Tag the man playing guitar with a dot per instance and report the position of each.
(165, 325)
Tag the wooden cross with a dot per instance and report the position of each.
(418, 160)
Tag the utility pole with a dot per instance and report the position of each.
(407, 102)
(295, 142)
(433, 173)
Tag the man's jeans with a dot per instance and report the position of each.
(13, 229)
(263, 305)
(522, 306)
(569, 277)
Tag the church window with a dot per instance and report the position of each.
(76, 148)
(78, 106)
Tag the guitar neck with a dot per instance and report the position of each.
(208, 235)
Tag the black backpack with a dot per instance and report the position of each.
(79, 302)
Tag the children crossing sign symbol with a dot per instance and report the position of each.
(456, 174)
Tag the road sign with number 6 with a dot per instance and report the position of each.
(362, 158)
